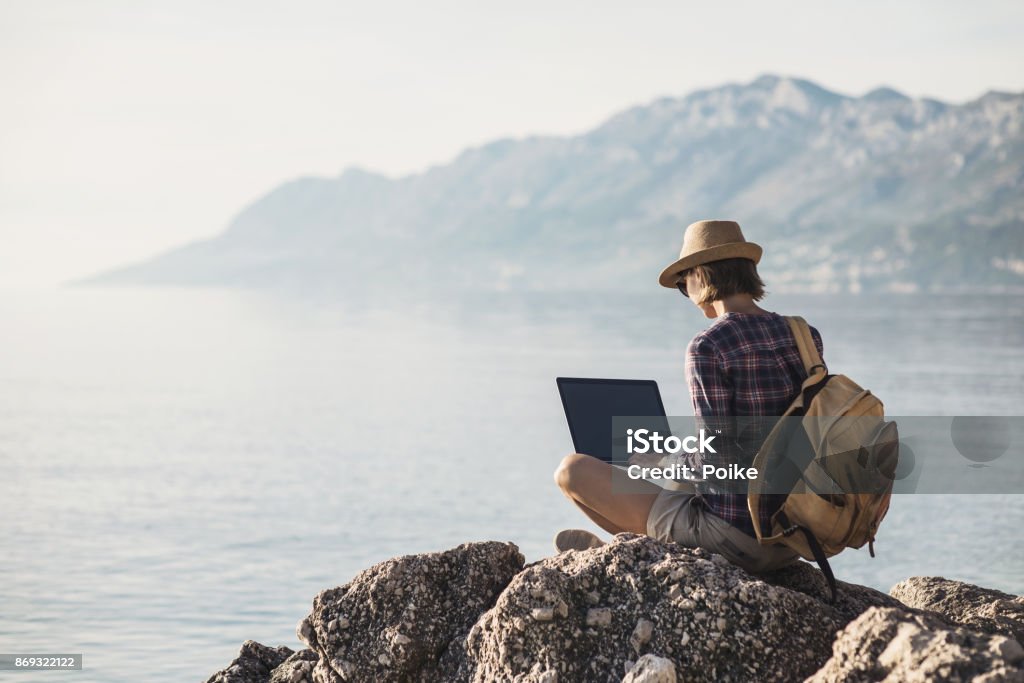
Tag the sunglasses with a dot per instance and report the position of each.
(681, 284)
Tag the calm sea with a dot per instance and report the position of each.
(183, 470)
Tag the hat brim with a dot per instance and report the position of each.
(749, 250)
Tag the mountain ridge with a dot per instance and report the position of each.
(880, 192)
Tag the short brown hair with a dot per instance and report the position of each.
(719, 279)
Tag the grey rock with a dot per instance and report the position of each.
(254, 664)
(641, 634)
(296, 669)
(636, 607)
(851, 599)
(404, 613)
(776, 634)
(599, 616)
(543, 613)
(886, 644)
(980, 609)
(651, 669)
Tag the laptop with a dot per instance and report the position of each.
(590, 404)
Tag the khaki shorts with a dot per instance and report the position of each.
(680, 516)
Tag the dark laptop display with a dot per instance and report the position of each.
(590, 405)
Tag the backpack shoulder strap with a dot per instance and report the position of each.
(805, 343)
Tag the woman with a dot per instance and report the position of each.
(746, 363)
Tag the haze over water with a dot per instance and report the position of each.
(186, 469)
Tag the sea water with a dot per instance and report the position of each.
(183, 470)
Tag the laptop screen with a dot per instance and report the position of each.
(590, 405)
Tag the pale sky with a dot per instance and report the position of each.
(130, 127)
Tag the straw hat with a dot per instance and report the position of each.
(706, 241)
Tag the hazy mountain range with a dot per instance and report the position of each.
(880, 192)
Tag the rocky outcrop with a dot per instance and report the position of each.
(588, 616)
(396, 620)
(259, 663)
(851, 599)
(635, 610)
(980, 609)
(886, 644)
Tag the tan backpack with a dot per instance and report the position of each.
(835, 455)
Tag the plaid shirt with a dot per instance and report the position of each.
(744, 364)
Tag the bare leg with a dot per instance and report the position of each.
(605, 494)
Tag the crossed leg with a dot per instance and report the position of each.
(605, 494)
